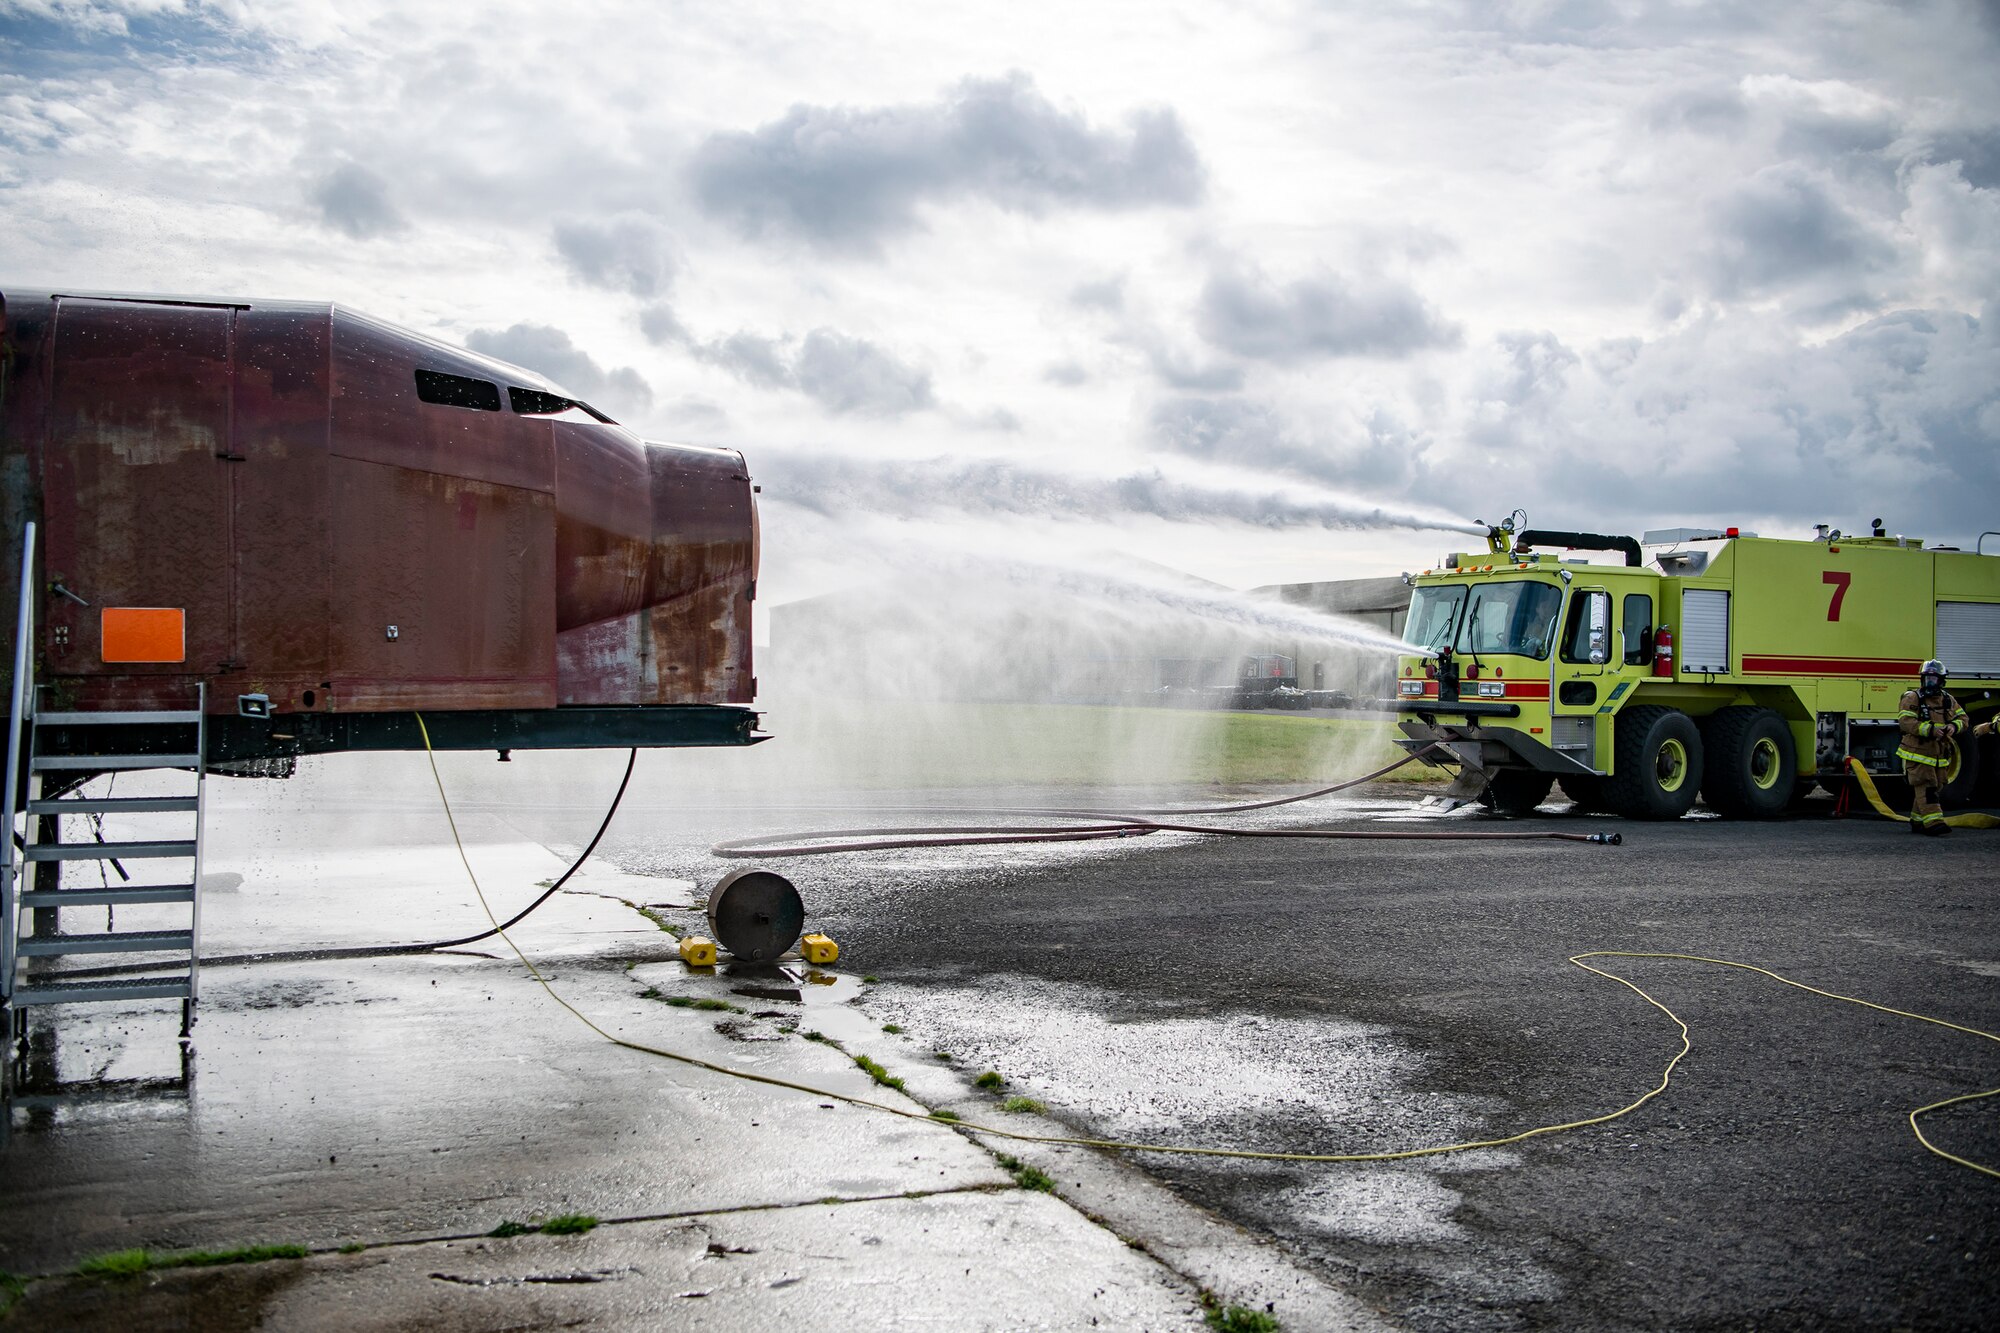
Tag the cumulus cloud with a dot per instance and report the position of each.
(1374, 454)
(844, 178)
(550, 352)
(846, 375)
(1108, 294)
(1327, 315)
(355, 201)
(1734, 420)
(764, 362)
(1957, 224)
(104, 17)
(628, 254)
(1784, 227)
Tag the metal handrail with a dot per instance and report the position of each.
(1981, 545)
(17, 713)
(200, 822)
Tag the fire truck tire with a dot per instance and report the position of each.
(1659, 760)
(1750, 764)
(1515, 792)
(1586, 792)
(1963, 788)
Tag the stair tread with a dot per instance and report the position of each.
(108, 851)
(113, 805)
(117, 717)
(119, 941)
(99, 897)
(103, 762)
(55, 991)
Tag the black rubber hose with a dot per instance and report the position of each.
(1129, 824)
(390, 950)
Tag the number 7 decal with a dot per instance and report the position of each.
(1839, 578)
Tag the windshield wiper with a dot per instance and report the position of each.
(1471, 642)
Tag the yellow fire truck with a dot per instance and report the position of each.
(1711, 661)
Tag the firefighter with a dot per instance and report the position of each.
(1932, 723)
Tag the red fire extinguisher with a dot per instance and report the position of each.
(1663, 651)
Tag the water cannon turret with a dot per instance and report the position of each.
(1500, 537)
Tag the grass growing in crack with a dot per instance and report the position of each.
(1024, 1106)
(819, 1037)
(944, 1115)
(879, 1074)
(870, 980)
(690, 1002)
(511, 1228)
(569, 1224)
(353, 1247)
(893, 1029)
(1240, 1319)
(131, 1263)
(1027, 1177)
(12, 1289)
(945, 1056)
(989, 1079)
(652, 916)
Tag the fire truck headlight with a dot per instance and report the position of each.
(1413, 687)
(1493, 689)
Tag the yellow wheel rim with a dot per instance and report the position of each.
(1953, 763)
(1765, 764)
(1670, 766)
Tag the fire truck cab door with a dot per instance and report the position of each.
(137, 486)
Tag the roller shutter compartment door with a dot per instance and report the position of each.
(1704, 641)
(1968, 639)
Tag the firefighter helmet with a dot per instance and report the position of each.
(1932, 676)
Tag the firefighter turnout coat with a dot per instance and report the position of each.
(1928, 737)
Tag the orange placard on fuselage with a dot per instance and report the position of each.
(143, 633)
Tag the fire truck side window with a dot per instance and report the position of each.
(1576, 633)
(1637, 624)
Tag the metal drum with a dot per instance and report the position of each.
(755, 914)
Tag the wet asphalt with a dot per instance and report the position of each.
(1775, 1185)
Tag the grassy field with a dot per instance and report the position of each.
(953, 744)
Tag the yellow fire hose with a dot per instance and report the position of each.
(1970, 819)
(993, 1131)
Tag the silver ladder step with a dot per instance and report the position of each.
(107, 851)
(121, 941)
(119, 896)
(120, 988)
(112, 805)
(109, 717)
(102, 763)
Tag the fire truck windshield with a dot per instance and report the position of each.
(1433, 616)
(1516, 616)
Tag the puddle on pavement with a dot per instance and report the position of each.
(765, 1001)
(87, 1072)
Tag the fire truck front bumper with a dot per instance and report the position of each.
(1477, 743)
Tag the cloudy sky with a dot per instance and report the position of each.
(1254, 290)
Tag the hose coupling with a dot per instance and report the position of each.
(1608, 839)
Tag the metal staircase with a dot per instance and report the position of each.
(32, 894)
